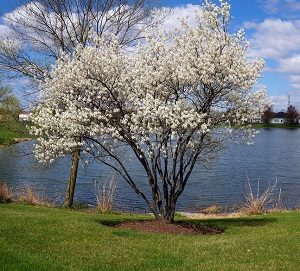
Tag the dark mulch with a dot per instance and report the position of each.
(163, 227)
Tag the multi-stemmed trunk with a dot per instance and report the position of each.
(163, 209)
(169, 213)
(165, 215)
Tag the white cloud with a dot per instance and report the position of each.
(187, 12)
(279, 102)
(25, 12)
(278, 40)
(290, 65)
(294, 78)
(5, 32)
(274, 38)
(270, 6)
(277, 6)
(293, 5)
(296, 86)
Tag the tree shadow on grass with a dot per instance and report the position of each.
(226, 223)
(114, 222)
(220, 224)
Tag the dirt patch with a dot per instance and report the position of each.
(163, 227)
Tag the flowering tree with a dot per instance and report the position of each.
(170, 102)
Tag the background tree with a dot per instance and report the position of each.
(39, 32)
(164, 104)
(291, 115)
(267, 115)
(10, 106)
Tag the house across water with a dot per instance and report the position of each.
(24, 116)
(279, 118)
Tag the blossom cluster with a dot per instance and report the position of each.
(173, 94)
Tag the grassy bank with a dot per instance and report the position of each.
(41, 238)
(10, 131)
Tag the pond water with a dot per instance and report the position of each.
(275, 154)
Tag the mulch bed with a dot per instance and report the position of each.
(163, 227)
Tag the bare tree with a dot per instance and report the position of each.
(40, 31)
(292, 115)
(44, 29)
(268, 114)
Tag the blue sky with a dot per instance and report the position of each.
(272, 26)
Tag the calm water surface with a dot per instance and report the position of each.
(275, 154)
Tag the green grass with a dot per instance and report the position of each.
(42, 238)
(9, 131)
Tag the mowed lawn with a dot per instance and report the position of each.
(43, 238)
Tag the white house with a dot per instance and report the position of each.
(24, 116)
(279, 118)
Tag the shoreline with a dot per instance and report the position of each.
(21, 139)
(275, 126)
(178, 215)
(16, 140)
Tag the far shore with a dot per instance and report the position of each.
(281, 126)
(16, 141)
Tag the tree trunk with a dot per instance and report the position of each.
(163, 211)
(72, 180)
(169, 213)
